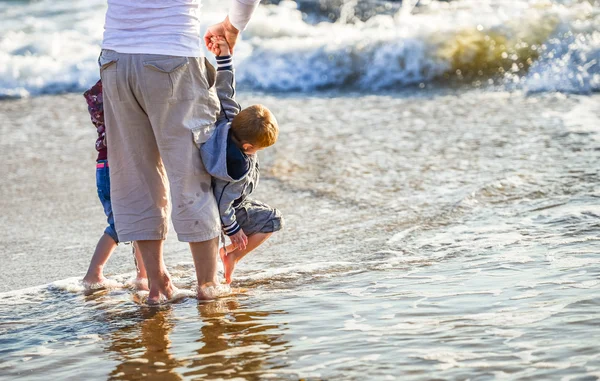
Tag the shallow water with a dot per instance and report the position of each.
(441, 235)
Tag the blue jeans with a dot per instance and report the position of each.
(103, 185)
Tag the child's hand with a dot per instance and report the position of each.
(219, 46)
(239, 240)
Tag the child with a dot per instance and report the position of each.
(109, 240)
(230, 156)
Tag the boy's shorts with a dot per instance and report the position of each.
(256, 217)
(103, 185)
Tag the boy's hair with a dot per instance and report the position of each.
(255, 125)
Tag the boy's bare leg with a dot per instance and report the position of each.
(141, 279)
(231, 258)
(105, 247)
(159, 280)
(205, 262)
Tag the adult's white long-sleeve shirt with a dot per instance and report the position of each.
(167, 27)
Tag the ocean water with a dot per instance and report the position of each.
(444, 235)
(437, 173)
(49, 47)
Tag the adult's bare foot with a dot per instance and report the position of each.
(206, 291)
(212, 290)
(163, 287)
(206, 258)
(141, 284)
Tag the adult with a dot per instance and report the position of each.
(159, 104)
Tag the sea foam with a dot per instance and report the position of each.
(52, 47)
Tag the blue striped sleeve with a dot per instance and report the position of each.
(224, 63)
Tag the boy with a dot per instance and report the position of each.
(230, 156)
(109, 240)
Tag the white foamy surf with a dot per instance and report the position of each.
(52, 47)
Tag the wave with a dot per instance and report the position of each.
(52, 47)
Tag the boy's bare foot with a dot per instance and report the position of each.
(163, 288)
(234, 255)
(222, 254)
(229, 263)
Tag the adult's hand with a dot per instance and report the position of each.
(224, 29)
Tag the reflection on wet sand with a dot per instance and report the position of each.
(222, 340)
(143, 349)
(234, 341)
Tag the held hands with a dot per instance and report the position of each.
(239, 240)
(223, 29)
(219, 46)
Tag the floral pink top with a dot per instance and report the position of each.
(93, 96)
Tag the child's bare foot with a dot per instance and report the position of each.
(229, 263)
(228, 268)
(222, 254)
(95, 282)
(93, 279)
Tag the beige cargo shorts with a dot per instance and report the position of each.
(158, 110)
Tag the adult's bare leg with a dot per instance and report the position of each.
(159, 280)
(205, 256)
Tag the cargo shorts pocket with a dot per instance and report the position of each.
(204, 116)
(202, 133)
(169, 80)
(108, 73)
